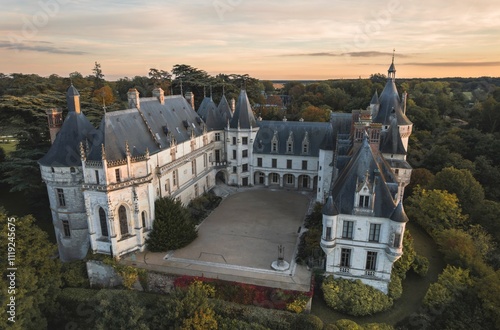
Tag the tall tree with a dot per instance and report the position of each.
(37, 278)
(98, 76)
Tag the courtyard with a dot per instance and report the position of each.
(239, 240)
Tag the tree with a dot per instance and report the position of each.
(435, 210)
(118, 311)
(98, 76)
(173, 227)
(312, 113)
(194, 310)
(37, 278)
(160, 78)
(469, 191)
(104, 96)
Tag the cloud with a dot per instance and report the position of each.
(454, 64)
(352, 54)
(40, 46)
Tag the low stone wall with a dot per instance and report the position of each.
(102, 275)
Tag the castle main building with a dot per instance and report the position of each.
(102, 183)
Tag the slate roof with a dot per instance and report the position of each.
(363, 162)
(152, 127)
(390, 103)
(399, 214)
(329, 208)
(205, 106)
(214, 119)
(374, 99)
(76, 128)
(391, 140)
(243, 115)
(316, 133)
(225, 109)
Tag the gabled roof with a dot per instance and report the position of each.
(76, 128)
(243, 115)
(225, 109)
(153, 126)
(205, 105)
(365, 162)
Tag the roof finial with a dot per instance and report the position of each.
(204, 91)
(182, 93)
(393, 52)
(210, 90)
(223, 89)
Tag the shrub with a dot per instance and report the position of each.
(346, 324)
(308, 322)
(420, 265)
(395, 287)
(354, 297)
(172, 228)
(298, 305)
(74, 274)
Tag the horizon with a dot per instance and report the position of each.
(319, 40)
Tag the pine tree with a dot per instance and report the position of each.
(173, 227)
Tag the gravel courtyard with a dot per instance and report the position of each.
(247, 227)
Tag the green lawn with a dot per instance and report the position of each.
(8, 146)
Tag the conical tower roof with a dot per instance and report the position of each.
(243, 115)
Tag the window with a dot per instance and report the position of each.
(217, 136)
(304, 164)
(345, 259)
(234, 140)
(72, 170)
(217, 156)
(347, 229)
(52, 170)
(193, 167)
(374, 235)
(364, 201)
(103, 222)
(259, 162)
(274, 147)
(244, 153)
(196, 190)
(60, 197)
(289, 148)
(167, 186)
(328, 235)
(122, 216)
(244, 140)
(288, 163)
(234, 154)
(275, 178)
(96, 176)
(397, 240)
(117, 175)
(67, 231)
(234, 169)
(174, 178)
(205, 161)
(274, 163)
(143, 217)
(289, 179)
(371, 262)
(244, 168)
(305, 148)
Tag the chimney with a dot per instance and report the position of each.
(54, 117)
(233, 105)
(190, 98)
(159, 94)
(133, 99)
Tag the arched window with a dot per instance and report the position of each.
(143, 215)
(103, 222)
(122, 215)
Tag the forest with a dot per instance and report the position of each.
(454, 150)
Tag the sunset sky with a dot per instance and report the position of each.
(314, 39)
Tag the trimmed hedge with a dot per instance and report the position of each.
(354, 297)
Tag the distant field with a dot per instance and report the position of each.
(8, 146)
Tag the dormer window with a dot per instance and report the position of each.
(289, 143)
(305, 144)
(274, 142)
(364, 201)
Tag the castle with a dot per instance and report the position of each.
(102, 183)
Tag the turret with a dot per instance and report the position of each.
(54, 117)
(330, 218)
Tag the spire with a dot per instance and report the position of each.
(392, 68)
(374, 98)
(73, 99)
(243, 115)
(330, 208)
